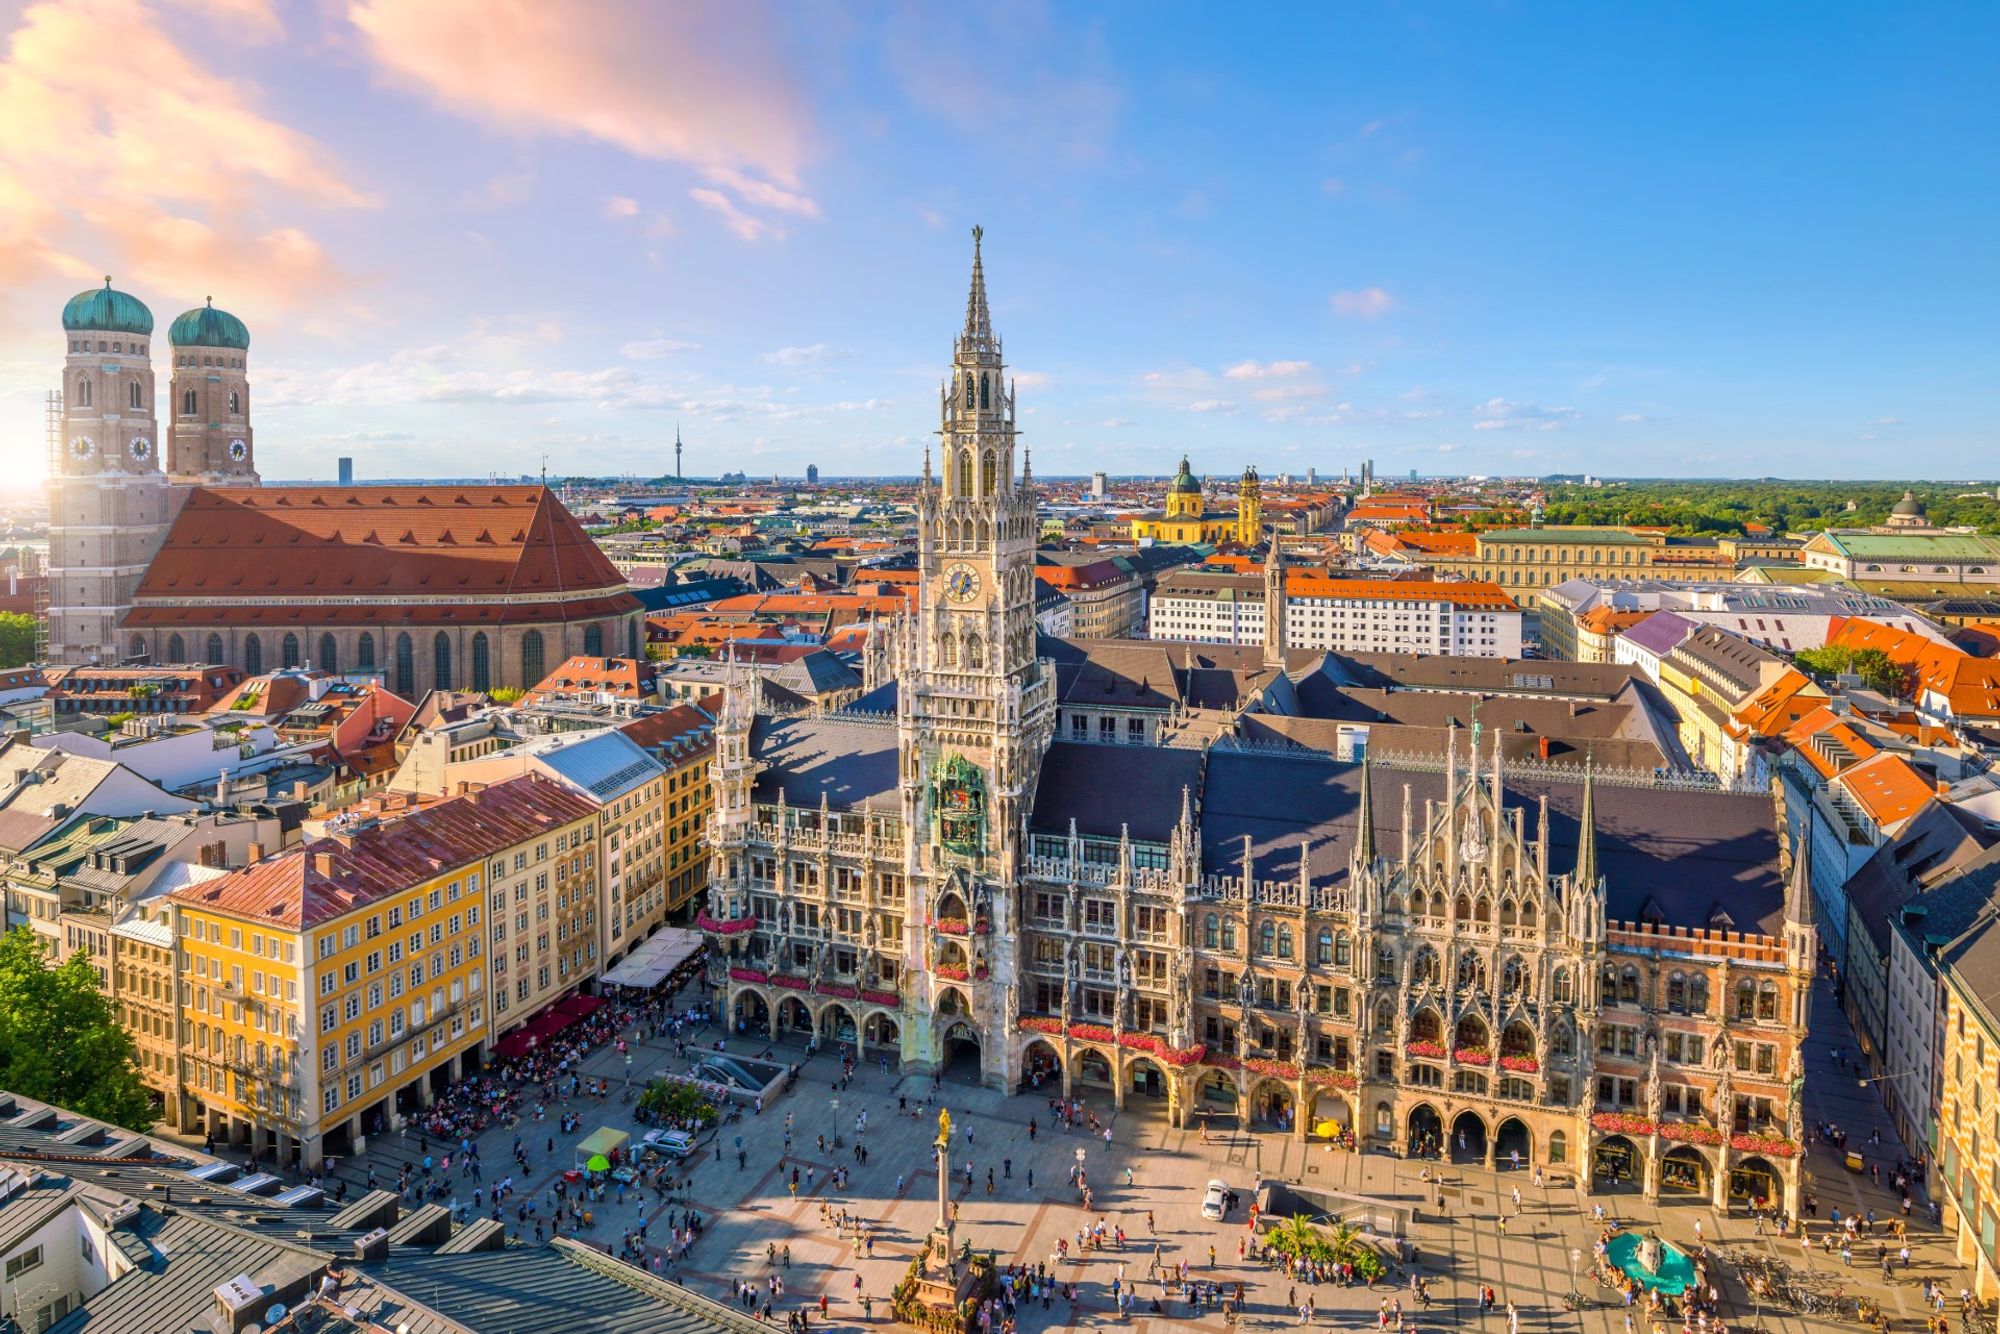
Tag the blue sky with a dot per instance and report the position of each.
(1520, 238)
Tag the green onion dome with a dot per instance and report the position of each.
(107, 310)
(205, 326)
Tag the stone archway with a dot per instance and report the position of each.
(1685, 1170)
(1615, 1164)
(1512, 1143)
(1147, 1081)
(1755, 1179)
(794, 1017)
(1424, 1132)
(882, 1031)
(836, 1024)
(1331, 1114)
(1468, 1138)
(1041, 1065)
(1092, 1069)
(1272, 1106)
(751, 1016)
(959, 1052)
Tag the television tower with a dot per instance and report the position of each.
(677, 451)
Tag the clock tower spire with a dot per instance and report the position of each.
(977, 691)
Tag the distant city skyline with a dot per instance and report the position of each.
(1575, 239)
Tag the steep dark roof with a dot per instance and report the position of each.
(1941, 840)
(852, 762)
(1104, 787)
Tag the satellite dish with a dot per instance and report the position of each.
(275, 1314)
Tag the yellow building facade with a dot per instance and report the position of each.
(1968, 1121)
(331, 991)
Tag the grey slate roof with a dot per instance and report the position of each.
(1104, 787)
(852, 761)
(1924, 855)
(1675, 856)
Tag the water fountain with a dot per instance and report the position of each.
(1652, 1262)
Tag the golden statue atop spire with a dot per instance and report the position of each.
(944, 1128)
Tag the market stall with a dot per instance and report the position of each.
(603, 1142)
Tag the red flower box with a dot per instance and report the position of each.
(982, 927)
(1773, 1145)
(951, 972)
(882, 998)
(1040, 1023)
(790, 983)
(1690, 1132)
(1275, 1069)
(839, 989)
(1326, 1076)
(1434, 1050)
(952, 926)
(748, 975)
(1520, 1065)
(733, 926)
(1472, 1056)
(1622, 1123)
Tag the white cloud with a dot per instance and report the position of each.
(1216, 405)
(745, 226)
(647, 349)
(810, 355)
(1364, 304)
(1633, 417)
(1499, 414)
(1883, 421)
(619, 206)
(1252, 370)
(1279, 393)
(1031, 379)
(1115, 423)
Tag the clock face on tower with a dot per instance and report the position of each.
(141, 447)
(237, 449)
(961, 582)
(81, 446)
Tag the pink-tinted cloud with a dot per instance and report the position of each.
(743, 224)
(1364, 304)
(680, 81)
(152, 165)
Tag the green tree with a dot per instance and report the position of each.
(1877, 670)
(60, 1042)
(505, 694)
(17, 639)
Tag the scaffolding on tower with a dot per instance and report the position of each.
(52, 415)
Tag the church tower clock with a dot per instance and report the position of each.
(976, 708)
(109, 503)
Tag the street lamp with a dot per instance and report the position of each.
(628, 1076)
(1575, 1255)
(1866, 1080)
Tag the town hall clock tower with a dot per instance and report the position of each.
(976, 708)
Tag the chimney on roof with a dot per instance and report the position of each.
(299, 790)
(323, 863)
(255, 853)
(211, 854)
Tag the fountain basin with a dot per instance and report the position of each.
(1674, 1276)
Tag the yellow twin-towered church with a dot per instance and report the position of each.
(1185, 522)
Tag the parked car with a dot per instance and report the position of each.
(672, 1143)
(1215, 1201)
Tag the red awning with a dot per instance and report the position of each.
(580, 1005)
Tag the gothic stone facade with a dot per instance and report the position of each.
(1601, 974)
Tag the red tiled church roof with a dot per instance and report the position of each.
(389, 544)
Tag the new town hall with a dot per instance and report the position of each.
(1598, 971)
